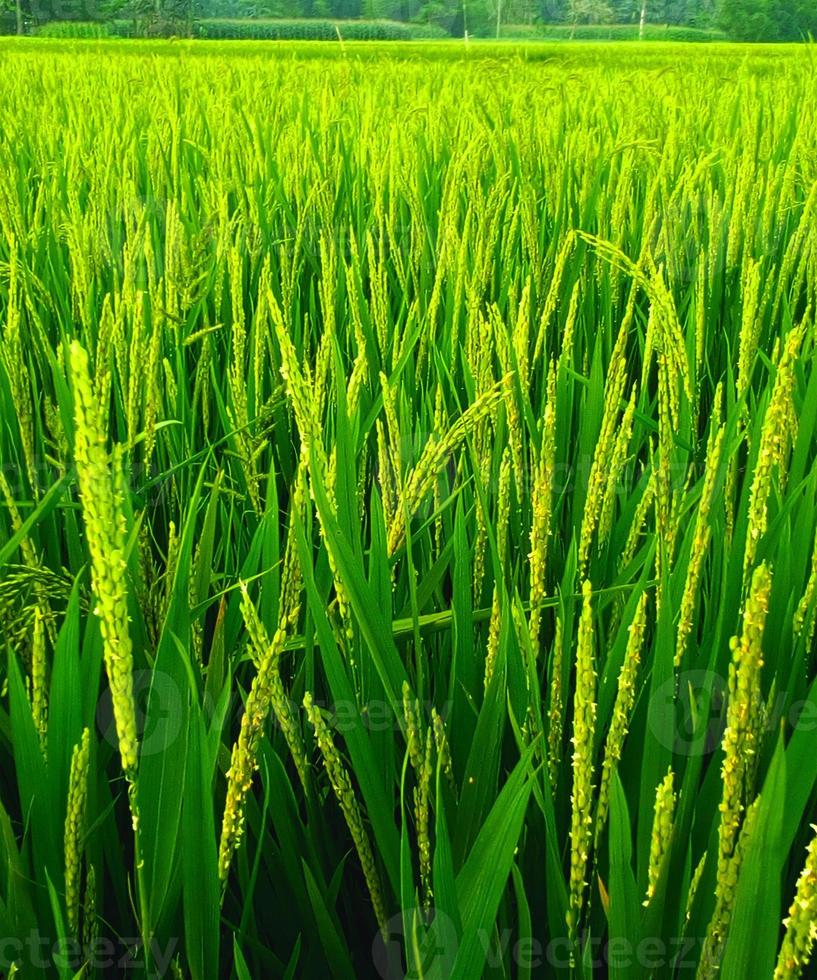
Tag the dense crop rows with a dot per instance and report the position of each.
(407, 526)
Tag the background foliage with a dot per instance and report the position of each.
(745, 20)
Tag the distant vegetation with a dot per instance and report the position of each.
(314, 29)
(749, 20)
(318, 29)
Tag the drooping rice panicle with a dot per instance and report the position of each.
(420, 481)
(345, 795)
(266, 694)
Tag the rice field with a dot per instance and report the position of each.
(408, 464)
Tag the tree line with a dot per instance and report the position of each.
(750, 20)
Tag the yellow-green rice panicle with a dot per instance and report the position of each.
(663, 483)
(502, 344)
(801, 922)
(605, 446)
(266, 692)
(503, 513)
(750, 327)
(804, 615)
(421, 480)
(75, 829)
(90, 920)
(345, 794)
(16, 521)
(618, 460)
(718, 928)
(556, 706)
(776, 438)
(542, 503)
(568, 334)
(697, 874)
(700, 541)
(741, 739)
(700, 315)
(422, 812)
(584, 724)
(521, 334)
(237, 373)
(552, 298)
(443, 748)
(414, 740)
(622, 710)
(291, 574)
(741, 743)
(439, 425)
(672, 335)
(481, 536)
(153, 387)
(13, 355)
(664, 811)
(39, 679)
(385, 477)
(392, 477)
(639, 520)
(105, 534)
(303, 404)
(298, 387)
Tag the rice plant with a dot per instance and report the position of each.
(407, 511)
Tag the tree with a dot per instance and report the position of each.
(162, 18)
(15, 9)
(768, 20)
(590, 12)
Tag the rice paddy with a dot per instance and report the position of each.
(407, 510)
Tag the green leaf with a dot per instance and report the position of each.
(751, 947)
(624, 915)
(337, 955)
(484, 876)
(372, 624)
(162, 777)
(44, 508)
(201, 892)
